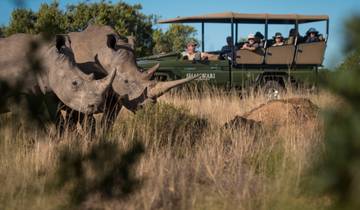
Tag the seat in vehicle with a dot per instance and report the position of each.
(310, 53)
(283, 55)
(250, 57)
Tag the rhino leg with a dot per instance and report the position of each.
(112, 109)
(69, 121)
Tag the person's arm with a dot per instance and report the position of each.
(244, 47)
(253, 48)
(205, 55)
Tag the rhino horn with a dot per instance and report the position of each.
(162, 87)
(150, 72)
(105, 82)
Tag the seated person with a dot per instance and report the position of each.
(227, 49)
(312, 35)
(294, 37)
(191, 53)
(259, 38)
(279, 39)
(251, 44)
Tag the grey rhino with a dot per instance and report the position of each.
(101, 44)
(59, 73)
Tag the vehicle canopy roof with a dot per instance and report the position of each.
(228, 17)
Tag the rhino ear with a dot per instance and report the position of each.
(62, 41)
(111, 41)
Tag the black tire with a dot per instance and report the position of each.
(273, 90)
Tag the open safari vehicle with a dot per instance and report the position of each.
(269, 67)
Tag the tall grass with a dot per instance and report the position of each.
(190, 160)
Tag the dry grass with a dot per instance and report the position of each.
(181, 168)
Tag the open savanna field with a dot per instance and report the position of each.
(181, 157)
(112, 105)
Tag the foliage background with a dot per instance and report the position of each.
(126, 19)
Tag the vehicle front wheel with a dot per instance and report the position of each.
(273, 90)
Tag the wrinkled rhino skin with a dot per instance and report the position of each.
(131, 87)
(57, 72)
(101, 44)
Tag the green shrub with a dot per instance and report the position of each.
(164, 125)
(338, 170)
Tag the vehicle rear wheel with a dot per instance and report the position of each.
(273, 90)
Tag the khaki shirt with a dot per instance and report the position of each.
(192, 56)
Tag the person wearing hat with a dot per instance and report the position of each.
(227, 49)
(191, 53)
(251, 44)
(279, 39)
(259, 38)
(312, 35)
(294, 37)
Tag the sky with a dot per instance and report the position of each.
(215, 34)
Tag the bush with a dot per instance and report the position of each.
(165, 125)
(338, 170)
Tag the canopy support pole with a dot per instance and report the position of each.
(327, 29)
(202, 36)
(266, 29)
(236, 33)
(297, 26)
(232, 62)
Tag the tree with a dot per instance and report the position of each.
(352, 48)
(125, 19)
(174, 39)
(22, 21)
(162, 42)
(50, 19)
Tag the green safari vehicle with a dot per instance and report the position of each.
(273, 68)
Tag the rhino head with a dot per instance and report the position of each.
(104, 46)
(74, 88)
